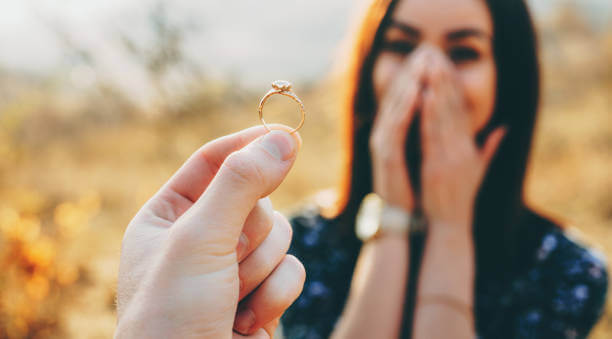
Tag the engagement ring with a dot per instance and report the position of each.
(284, 88)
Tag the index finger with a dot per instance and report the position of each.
(410, 74)
(194, 176)
(402, 95)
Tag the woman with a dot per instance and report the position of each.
(442, 102)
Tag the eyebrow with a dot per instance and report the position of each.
(458, 34)
(466, 33)
(408, 29)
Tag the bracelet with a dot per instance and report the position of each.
(447, 300)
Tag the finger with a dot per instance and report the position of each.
(491, 145)
(271, 327)
(410, 97)
(256, 228)
(411, 67)
(443, 66)
(397, 112)
(188, 183)
(429, 130)
(212, 226)
(451, 115)
(272, 297)
(407, 82)
(259, 334)
(257, 266)
(399, 102)
(458, 114)
(411, 73)
(438, 83)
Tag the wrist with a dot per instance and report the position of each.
(397, 199)
(448, 236)
(389, 240)
(458, 224)
(377, 218)
(450, 258)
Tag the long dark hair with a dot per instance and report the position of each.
(503, 226)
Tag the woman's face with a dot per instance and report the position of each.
(461, 30)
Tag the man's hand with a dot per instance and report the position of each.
(206, 256)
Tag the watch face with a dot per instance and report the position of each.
(368, 217)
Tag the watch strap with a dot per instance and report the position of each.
(395, 219)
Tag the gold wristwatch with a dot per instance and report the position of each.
(375, 218)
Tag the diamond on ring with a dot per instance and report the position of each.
(281, 85)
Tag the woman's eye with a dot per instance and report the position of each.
(400, 47)
(463, 54)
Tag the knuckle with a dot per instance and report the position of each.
(285, 222)
(263, 215)
(267, 220)
(290, 281)
(244, 168)
(285, 227)
(297, 265)
(207, 155)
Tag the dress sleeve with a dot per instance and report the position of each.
(329, 260)
(574, 297)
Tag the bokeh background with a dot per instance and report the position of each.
(102, 100)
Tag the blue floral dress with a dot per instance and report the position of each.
(562, 294)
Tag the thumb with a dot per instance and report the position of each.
(214, 222)
(491, 145)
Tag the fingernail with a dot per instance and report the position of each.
(279, 143)
(245, 319)
(243, 245)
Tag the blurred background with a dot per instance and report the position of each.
(102, 100)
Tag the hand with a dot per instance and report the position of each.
(206, 254)
(388, 137)
(453, 166)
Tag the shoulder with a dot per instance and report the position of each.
(562, 253)
(573, 260)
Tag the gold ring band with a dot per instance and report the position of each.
(283, 88)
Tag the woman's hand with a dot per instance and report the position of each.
(453, 166)
(207, 254)
(388, 137)
(452, 170)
